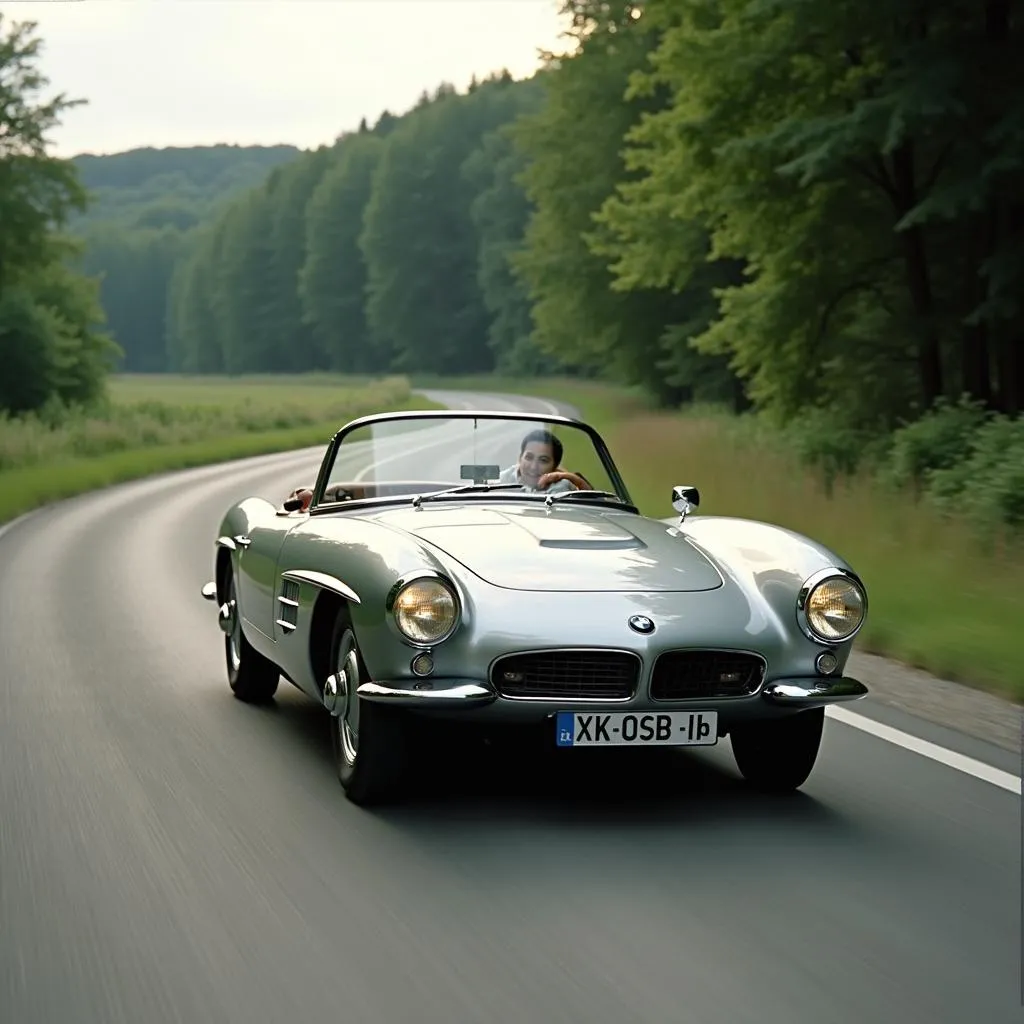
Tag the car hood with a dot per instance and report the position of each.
(569, 549)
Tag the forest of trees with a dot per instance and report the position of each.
(812, 210)
(145, 207)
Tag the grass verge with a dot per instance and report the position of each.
(152, 426)
(940, 599)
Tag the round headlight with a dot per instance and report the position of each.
(425, 611)
(834, 609)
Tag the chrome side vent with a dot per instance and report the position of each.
(288, 602)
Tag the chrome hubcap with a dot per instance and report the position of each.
(232, 627)
(346, 702)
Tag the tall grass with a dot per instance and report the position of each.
(148, 413)
(152, 424)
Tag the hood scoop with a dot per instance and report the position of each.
(576, 535)
(599, 544)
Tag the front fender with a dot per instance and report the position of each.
(233, 533)
(768, 563)
(386, 652)
(366, 558)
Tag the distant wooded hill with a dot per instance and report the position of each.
(172, 187)
(146, 205)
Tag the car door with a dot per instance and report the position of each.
(258, 557)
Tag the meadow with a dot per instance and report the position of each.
(154, 424)
(942, 596)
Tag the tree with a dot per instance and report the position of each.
(246, 289)
(289, 190)
(134, 268)
(835, 150)
(500, 213)
(573, 151)
(419, 243)
(50, 342)
(332, 282)
(38, 192)
(193, 334)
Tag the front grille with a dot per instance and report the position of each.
(590, 675)
(685, 675)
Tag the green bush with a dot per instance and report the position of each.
(939, 440)
(830, 443)
(988, 483)
(963, 461)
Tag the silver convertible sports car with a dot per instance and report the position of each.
(491, 567)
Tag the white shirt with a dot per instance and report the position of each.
(512, 476)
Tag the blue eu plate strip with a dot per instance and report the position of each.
(565, 728)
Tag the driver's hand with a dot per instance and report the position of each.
(575, 479)
(304, 494)
(554, 476)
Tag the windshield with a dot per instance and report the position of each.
(482, 455)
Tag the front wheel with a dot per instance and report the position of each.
(778, 756)
(252, 677)
(370, 741)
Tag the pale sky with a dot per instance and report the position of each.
(199, 72)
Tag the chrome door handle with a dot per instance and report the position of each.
(242, 540)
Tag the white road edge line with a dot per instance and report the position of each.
(959, 762)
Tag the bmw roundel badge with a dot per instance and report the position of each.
(641, 624)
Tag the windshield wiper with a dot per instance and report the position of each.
(464, 489)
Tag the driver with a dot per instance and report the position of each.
(538, 466)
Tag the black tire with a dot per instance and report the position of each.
(370, 741)
(778, 756)
(252, 678)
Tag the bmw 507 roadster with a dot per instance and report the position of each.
(447, 564)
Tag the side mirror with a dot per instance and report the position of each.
(292, 504)
(685, 499)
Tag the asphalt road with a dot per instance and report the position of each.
(170, 854)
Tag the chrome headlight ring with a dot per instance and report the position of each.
(807, 591)
(401, 586)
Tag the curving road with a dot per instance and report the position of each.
(170, 854)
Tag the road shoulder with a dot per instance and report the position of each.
(951, 705)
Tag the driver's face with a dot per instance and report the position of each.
(536, 460)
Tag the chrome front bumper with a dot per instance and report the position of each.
(811, 692)
(800, 692)
(461, 692)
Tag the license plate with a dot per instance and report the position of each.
(645, 729)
